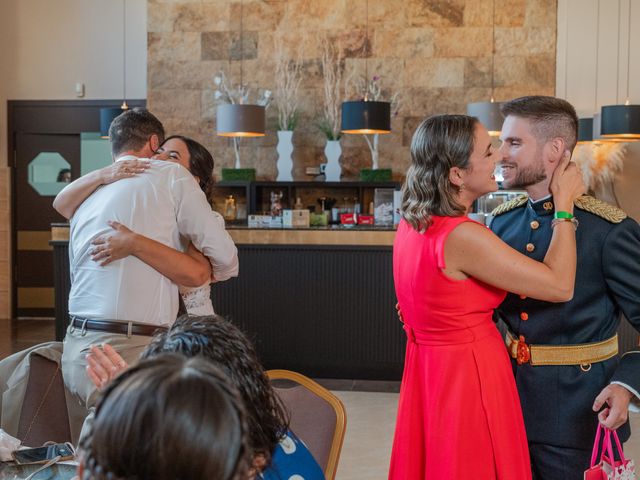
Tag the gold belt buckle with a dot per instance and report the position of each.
(523, 353)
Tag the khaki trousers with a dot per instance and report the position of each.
(77, 345)
(14, 377)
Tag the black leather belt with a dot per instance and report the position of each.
(111, 326)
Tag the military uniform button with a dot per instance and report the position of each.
(530, 247)
(524, 316)
(534, 225)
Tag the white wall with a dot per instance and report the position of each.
(582, 23)
(589, 82)
(47, 46)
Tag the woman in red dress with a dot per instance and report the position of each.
(459, 413)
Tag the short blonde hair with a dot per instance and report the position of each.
(550, 117)
(439, 143)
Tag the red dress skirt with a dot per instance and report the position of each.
(459, 414)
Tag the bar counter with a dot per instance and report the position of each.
(319, 300)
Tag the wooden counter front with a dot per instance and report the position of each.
(311, 236)
(281, 236)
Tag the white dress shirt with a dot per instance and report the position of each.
(162, 203)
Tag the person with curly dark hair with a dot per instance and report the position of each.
(190, 270)
(277, 451)
(191, 155)
(167, 417)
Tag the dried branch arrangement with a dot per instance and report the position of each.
(240, 94)
(600, 162)
(332, 71)
(288, 78)
(357, 87)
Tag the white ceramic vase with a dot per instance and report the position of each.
(373, 146)
(332, 151)
(285, 150)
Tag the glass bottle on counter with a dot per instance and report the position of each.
(230, 208)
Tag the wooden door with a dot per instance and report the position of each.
(43, 163)
(45, 148)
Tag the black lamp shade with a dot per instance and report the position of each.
(622, 121)
(234, 120)
(363, 117)
(489, 115)
(585, 129)
(108, 115)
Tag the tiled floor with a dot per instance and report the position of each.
(367, 445)
(370, 423)
(370, 415)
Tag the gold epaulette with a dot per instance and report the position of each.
(601, 209)
(510, 205)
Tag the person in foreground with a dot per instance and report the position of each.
(277, 451)
(190, 270)
(166, 418)
(581, 372)
(459, 414)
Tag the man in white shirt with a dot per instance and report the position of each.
(124, 302)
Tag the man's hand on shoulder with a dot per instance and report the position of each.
(617, 399)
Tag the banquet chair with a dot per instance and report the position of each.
(318, 417)
(44, 416)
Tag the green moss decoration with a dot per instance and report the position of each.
(378, 175)
(231, 174)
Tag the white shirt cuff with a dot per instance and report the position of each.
(634, 405)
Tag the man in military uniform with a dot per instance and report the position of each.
(565, 355)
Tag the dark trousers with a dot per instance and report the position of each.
(558, 463)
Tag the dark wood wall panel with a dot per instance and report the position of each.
(62, 285)
(35, 127)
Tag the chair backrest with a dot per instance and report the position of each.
(318, 417)
(44, 415)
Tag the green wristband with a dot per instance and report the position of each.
(561, 214)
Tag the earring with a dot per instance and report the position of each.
(461, 187)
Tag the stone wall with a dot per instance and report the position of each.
(436, 53)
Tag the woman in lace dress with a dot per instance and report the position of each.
(191, 270)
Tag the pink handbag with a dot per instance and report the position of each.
(608, 468)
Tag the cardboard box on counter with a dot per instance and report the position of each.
(348, 218)
(365, 219)
(259, 221)
(295, 218)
